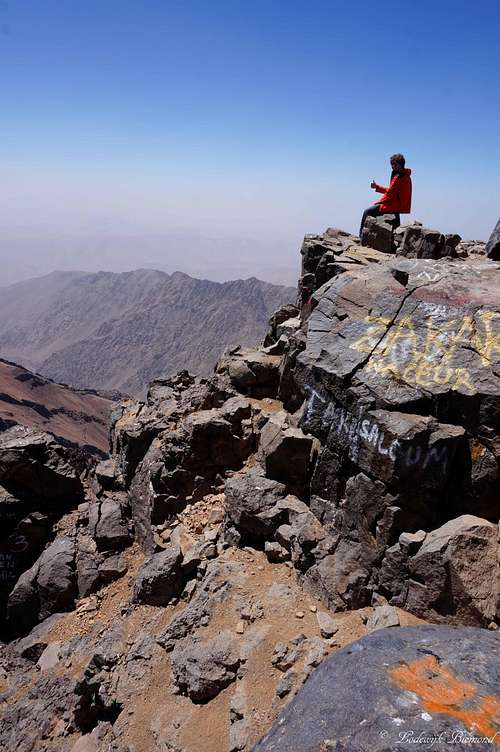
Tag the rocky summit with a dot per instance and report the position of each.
(298, 552)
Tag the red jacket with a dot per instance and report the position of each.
(396, 198)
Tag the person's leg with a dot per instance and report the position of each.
(397, 223)
(372, 211)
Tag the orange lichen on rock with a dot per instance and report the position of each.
(443, 692)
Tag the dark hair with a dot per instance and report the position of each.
(399, 158)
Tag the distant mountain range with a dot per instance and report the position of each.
(118, 331)
(76, 416)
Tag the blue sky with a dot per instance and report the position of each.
(242, 120)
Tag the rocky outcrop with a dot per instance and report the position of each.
(452, 702)
(340, 479)
(493, 244)
(410, 240)
(40, 480)
(203, 669)
(159, 578)
(378, 233)
(450, 574)
(48, 587)
(420, 242)
(251, 372)
(34, 464)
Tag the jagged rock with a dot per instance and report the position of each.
(376, 350)
(316, 652)
(32, 462)
(493, 244)
(275, 552)
(12, 509)
(411, 542)
(134, 425)
(419, 242)
(159, 579)
(32, 646)
(217, 585)
(286, 655)
(50, 657)
(377, 233)
(327, 626)
(240, 729)
(453, 574)
(105, 474)
(251, 504)
(52, 706)
(87, 565)
(203, 669)
(107, 524)
(251, 372)
(112, 568)
(304, 537)
(382, 617)
(334, 710)
(189, 461)
(212, 440)
(282, 314)
(286, 453)
(286, 683)
(50, 586)
(277, 348)
(40, 480)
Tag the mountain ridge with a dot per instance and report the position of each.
(112, 330)
(76, 417)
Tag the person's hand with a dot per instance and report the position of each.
(373, 184)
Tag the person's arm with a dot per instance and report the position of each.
(392, 192)
(380, 188)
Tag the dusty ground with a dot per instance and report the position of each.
(154, 717)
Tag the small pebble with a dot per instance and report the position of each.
(299, 614)
(313, 609)
(240, 627)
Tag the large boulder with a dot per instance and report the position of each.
(251, 371)
(377, 233)
(286, 453)
(430, 687)
(48, 587)
(420, 242)
(108, 524)
(40, 480)
(493, 244)
(159, 579)
(201, 669)
(33, 463)
(251, 505)
(452, 573)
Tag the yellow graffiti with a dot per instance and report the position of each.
(406, 354)
(489, 345)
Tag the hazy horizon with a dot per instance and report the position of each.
(209, 138)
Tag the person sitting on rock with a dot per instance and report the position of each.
(396, 199)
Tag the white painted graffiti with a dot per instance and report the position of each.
(361, 428)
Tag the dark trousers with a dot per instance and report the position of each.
(375, 211)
